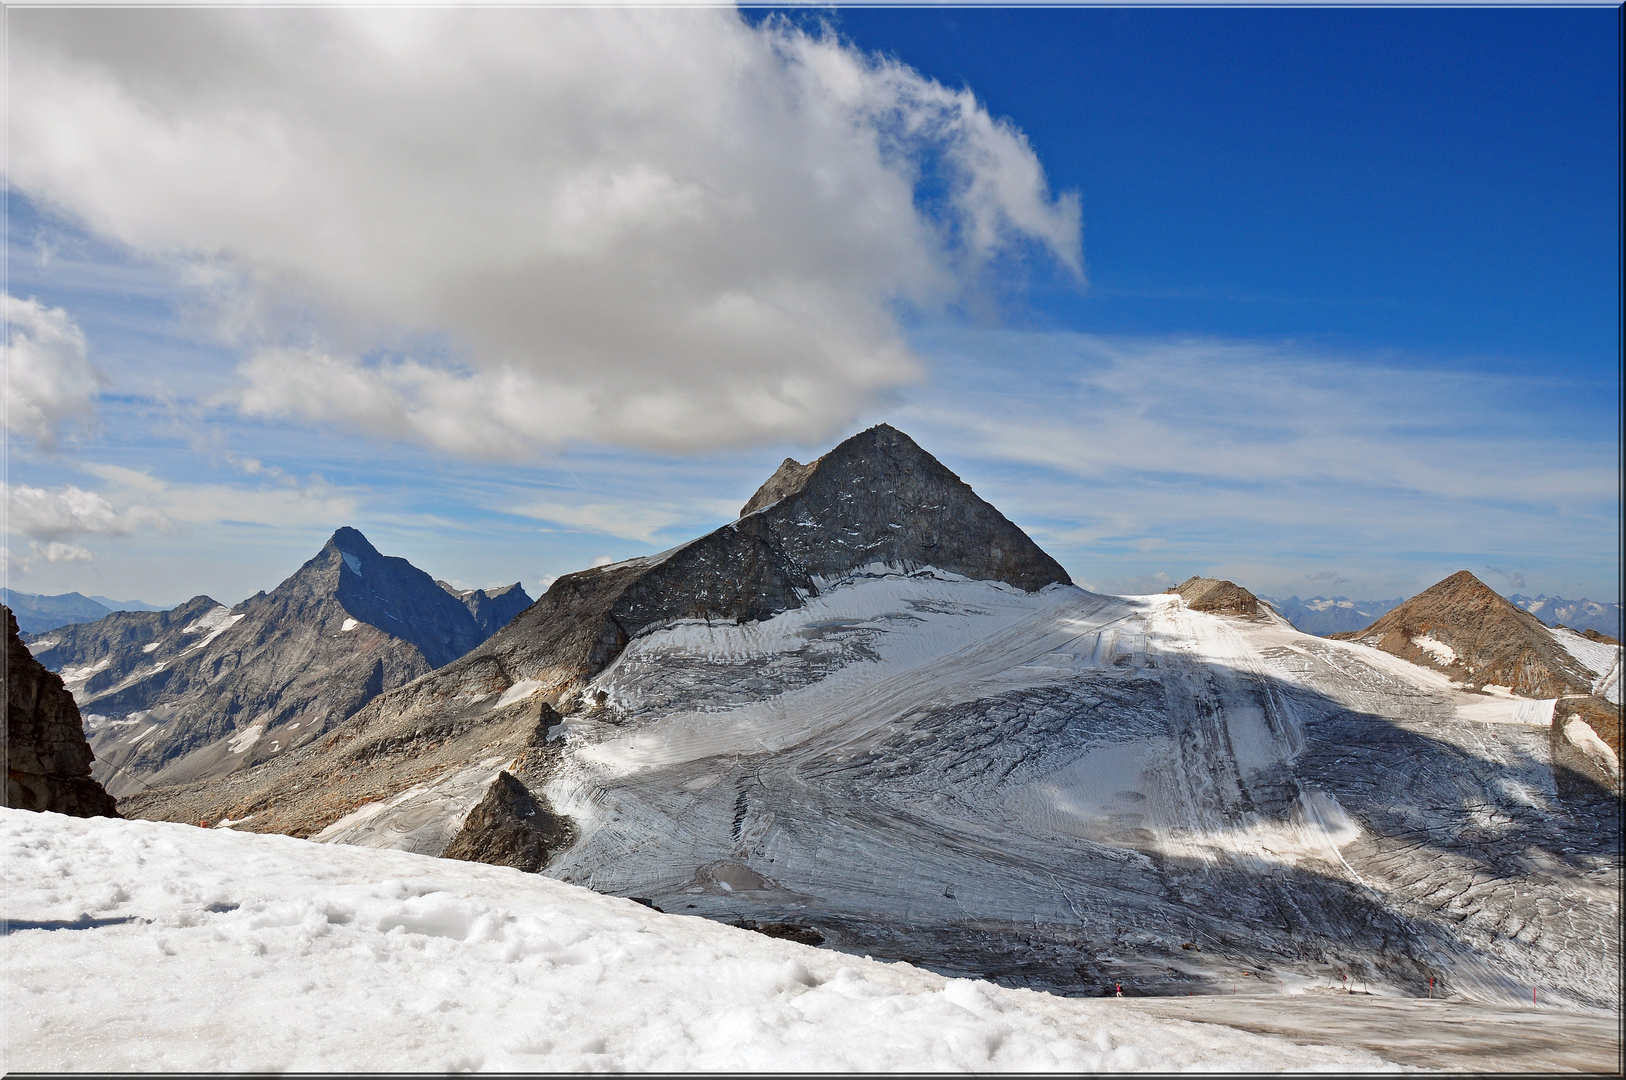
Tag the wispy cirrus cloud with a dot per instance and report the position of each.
(1295, 464)
(285, 506)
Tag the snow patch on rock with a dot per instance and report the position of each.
(518, 692)
(1580, 733)
(1439, 650)
(1598, 657)
(246, 738)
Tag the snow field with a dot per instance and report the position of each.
(136, 945)
(1603, 660)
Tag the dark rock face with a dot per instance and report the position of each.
(876, 499)
(201, 691)
(880, 498)
(1494, 642)
(509, 827)
(491, 610)
(1216, 596)
(47, 758)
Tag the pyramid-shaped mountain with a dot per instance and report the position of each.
(1464, 628)
(204, 690)
(877, 503)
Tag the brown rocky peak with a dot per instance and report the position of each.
(786, 480)
(1217, 596)
(1465, 628)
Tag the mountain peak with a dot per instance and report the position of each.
(351, 541)
(879, 498)
(792, 475)
(1217, 596)
(1465, 628)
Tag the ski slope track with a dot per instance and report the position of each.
(1067, 791)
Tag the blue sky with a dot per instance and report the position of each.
(1322, 301)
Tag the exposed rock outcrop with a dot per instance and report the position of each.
(203, 690)
(47, 757)
(875, 503)
(491, 610)
(1464, 628)
(1216, 596)
(509, 827)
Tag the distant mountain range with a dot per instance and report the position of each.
(1324, 617)
(202, 690)
(1580, 614)
(36, 613)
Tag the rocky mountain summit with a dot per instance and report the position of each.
(47, 757)
(1486, 643)
(1463, 628)
(1217, 597)
(203, 690)
(491, 610)
(875, 504)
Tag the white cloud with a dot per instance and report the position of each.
(625, 520)
(57, 551)
(49, 382)
(290, 506)
(491, 231)
(48, 515)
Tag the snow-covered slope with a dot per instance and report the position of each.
(1066, 790)
(1600, 658)
(137, 946)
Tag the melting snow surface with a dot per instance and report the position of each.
(273, 954)
(518, 692)
(245, 738)
(352, 562)
(1439, 650)
(80, 674)
(1581, 734)
(211, 624)
(150, 647)
(348, 625)
(1600, 659)
(44, 644)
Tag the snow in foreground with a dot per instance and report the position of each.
(136, 945)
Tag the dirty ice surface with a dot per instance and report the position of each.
(1067, 791)
(148, 946)
(1601, 658)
